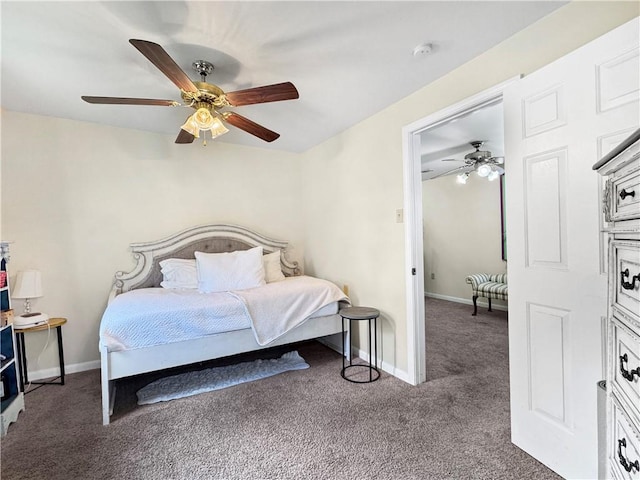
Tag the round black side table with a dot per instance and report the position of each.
(371, 316)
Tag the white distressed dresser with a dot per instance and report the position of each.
(621, 209)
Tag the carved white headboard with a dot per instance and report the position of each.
(205, 238)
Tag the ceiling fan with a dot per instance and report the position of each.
(480, 161)
(207, 99)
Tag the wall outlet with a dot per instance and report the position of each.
(345, 289)
(399, 216)
(433, 276)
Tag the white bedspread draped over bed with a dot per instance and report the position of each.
(153, 316)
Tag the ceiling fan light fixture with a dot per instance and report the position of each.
(204, 120)
(493, 175)
(462, 177)
(191, 127)
(217, 128)
(483, 170)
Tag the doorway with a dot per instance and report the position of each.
(462, 165)
(413, 204)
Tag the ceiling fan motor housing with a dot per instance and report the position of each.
(207, 93)
(478, 155)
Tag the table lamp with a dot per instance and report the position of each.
(28, 285)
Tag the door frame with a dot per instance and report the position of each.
(414, 248)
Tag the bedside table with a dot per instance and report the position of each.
(22, 354)
(370, 315)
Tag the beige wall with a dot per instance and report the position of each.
(462, 233)
(74, 195)
(353, 183)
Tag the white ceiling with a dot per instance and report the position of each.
(347, 59)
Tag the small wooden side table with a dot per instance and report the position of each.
(22, 354)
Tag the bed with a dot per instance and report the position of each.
(126, 355)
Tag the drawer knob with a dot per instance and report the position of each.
(628, 285)
(628, 374)
(626, 464)
(624, 194)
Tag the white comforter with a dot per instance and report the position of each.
(152, 316)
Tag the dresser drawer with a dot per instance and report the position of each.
(624, 445)
(625, 197)
(626, 281)
(625, 365)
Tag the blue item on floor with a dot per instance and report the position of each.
(192, 383)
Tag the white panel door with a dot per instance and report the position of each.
(557, 122)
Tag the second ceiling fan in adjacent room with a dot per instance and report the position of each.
(480, 161)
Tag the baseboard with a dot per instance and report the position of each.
(55, 371)
(466, 301)
(384, 366)
(334, 343)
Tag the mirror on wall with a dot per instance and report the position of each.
(459, 148)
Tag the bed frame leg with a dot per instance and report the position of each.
(108, 387)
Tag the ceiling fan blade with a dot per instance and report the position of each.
(184, 137)
(450, 171)
(251, 127)
(161, 59)
(128, 101)
(268, 93)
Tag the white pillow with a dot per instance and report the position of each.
(272, 269)
(178, 273)
(221, 272)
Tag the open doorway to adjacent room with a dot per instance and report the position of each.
(457, 217)
(462, 172)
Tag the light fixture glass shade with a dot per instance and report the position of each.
(191, 127)
(483, 170)
(493, 174)
(28, 284)
(462, 177)
(204, 120)
(217, 128)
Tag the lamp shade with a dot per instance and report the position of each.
(28, 284)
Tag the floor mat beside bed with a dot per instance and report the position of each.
(192, 383)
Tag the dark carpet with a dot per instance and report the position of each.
(308, 424)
